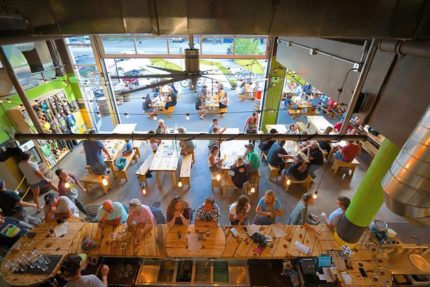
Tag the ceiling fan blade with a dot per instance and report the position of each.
(167, 70)
(154, 85)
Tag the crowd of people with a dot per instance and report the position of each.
(218, 96)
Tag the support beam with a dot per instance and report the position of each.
(20, 91)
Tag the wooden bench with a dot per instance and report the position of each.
(303, 128)
(337, 164)
(214, 181)
(227, 183)
(136, 146)
(255, 180)
(167, 111)
(185, 173)
(143, 169)
(273, 172)
(95, 179)
(306, 182)
(123, 173)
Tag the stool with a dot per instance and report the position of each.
(306, 182)
(337, 164)
(274, 172)
(215, 183)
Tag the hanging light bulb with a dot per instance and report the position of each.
(105, 182)
(187, 116)
(155, 117)
(67, 185)
(315, 195)
(179, 184)
(143, 190)
(218, 177)
(126, 115)
(98, 114)
(288, 181)
(252, 190)
(9, 101)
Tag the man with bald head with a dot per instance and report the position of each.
(111, 213)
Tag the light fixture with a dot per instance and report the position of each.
(252, 190)
(315, 195)
(288, 181)
(187, 116)
(179, 184)
(67, 185)
(312, 52)
(98, 113)
(288, 43)
(218, 177)
(143, 190)
(105, 182)
(9, 101)
(126, 115)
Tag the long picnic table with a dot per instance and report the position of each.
(318, 123)
(190, 242)
(166, 160)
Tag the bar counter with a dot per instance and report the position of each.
(183, 242)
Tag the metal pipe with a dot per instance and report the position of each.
(190, 136)
(20, 91)
(191, 41)
(418, 48)
(359, 85)
(320, 52)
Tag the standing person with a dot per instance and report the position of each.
(141, 216)
(161, 127)
(252, 159)
(178, 212)
(300, 214)
(334, 218)
(348, 152)
(93, 154)
(215, 124)
(200, 106)
(240, 172)
(111, 213)
(59, 207)
(268, 208)
(239, 210)
(315, 156)
(13, 206)
(251, 124)
(218, 131)
(71, 270)
(208, 213)
(214, 162)
(147, 105)
(67, 187)
(35, 178)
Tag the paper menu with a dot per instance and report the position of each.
(251, 229)
(193, 242)
(60, 229)
(279, 230)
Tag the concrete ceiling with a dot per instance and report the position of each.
(23, 20)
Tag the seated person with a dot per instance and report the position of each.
(208, 213)
(315, 100)
(348, 152)
(171, 101)
(71, 271)
(288, 100)
(111, 213)
(154, 143)
(13, 206)
(300, 214)
(252, 159)
(161, 127)
(293, 130)
(277, 154)
(352, 128)
(315, 157)
(68, 186)
(239, 210)
(268, 208)
(223, 102)
(266, 145)
(200, 106)
(59, 207)
(335, 217)
(325, 145)
(178, 212)
(147, 104)
(15, 229)
(187, 146)
(297, 171)
(240, 172)
(216, 130)
(214, 162)
(141, 216)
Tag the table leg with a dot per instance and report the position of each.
(157, 176)
(111, 166)
(173, 179)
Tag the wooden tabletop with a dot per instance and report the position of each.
(319, 123)
(115, 149)
(46, 245)
(124, 128)
(282, 129)
(167, 156)
(121, 241)
(184, 241)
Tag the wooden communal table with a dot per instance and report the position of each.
(166, 160)
(120, 241)
(318, 123)
(115, 149)
(230, 150)
(159, 103)
(49, 245)
(184, 241)
(282, 129)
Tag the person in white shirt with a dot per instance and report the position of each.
(35, 178)
(239, 211)
(334, 218)
(59, 207)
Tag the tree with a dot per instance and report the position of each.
(247, 46)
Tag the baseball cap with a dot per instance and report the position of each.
(135, 202)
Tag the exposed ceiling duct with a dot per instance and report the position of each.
(387, 19)
(407, 183)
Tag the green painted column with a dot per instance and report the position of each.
(272, 98)
(369, 196)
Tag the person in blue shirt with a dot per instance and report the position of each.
(268, 208)
(335, 217)
(277, 154)
(111, 213)
(93, 154)
(315, 101)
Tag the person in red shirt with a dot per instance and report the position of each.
(348, 152)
